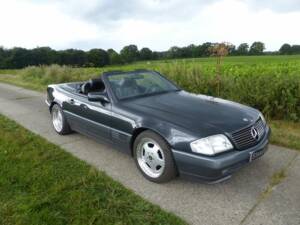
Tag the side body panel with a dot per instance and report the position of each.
(94, 119)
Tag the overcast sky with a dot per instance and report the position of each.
(158, 24)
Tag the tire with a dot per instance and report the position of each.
(59, 121)
(154, 158)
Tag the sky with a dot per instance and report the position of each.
(157, 24)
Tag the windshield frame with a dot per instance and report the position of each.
(135, 72)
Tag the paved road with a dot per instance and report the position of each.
(236, 201)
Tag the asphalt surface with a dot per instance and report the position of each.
(235, 201)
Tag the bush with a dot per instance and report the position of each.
(275, 90)
(271, 84)
(45, 75)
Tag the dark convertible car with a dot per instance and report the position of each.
(167, 130)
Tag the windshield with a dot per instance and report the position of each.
(134, 84)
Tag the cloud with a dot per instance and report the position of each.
(158, 24)
(116, 10)
(275, 5)
(29, 25)
(237, 22)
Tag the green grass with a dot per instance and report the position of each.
(286, 134)
(269, 83)
(42, 184)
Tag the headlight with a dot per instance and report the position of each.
(262, 118)
(211, 145)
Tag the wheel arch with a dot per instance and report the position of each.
(52, 104)
(140, 130)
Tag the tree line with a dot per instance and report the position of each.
(17, 57)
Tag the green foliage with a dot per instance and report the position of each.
(114, 57)
(286, 134)
(42, 184)
(285, 49)
(129, 53)
(16, 58)
(45, 75)
(257, 48)
(269, 83)
(97, 57)
(145, 54)
(243, 49)
(73, 57)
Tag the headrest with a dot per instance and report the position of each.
(96, 84)
(85, 88)
(93, 85)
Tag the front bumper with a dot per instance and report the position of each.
(217, 168)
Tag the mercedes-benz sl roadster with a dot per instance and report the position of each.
(168, 131)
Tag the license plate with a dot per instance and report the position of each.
(257, 154)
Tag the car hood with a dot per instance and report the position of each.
(196, 112)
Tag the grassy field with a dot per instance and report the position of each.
(42, 184)
(269, 83)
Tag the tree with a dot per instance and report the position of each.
(2, 57)
(156, 55)
(193, 51)
(129, 53)
(19, 58)
(97, 57)
(77, 57)
(231, 49)
(43, 56)
(204, 49)
(295, 49)
(243, 49)
(145, 54)
(174, 52)
(114, 57)
(257, 48)
(72, 57)
(285, 49)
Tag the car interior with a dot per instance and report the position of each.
(93, 85)
(127, 87)
(123, 87)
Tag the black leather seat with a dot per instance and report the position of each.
(93, 85)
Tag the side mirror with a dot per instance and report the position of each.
(98, 97)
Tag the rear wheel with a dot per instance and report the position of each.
(59, 121)
(154, 158)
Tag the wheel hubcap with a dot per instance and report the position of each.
(150, 157)
(57, 119)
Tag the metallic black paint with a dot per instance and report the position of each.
(179, 117)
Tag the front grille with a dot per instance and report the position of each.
(244, 139)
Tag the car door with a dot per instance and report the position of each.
(97, 118)
(74, 112)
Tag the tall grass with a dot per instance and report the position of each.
(271, 84)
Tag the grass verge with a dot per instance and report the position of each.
(18, 81)
(285, 133)
(42, 184)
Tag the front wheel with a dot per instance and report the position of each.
(59, 121)
(154, 158)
